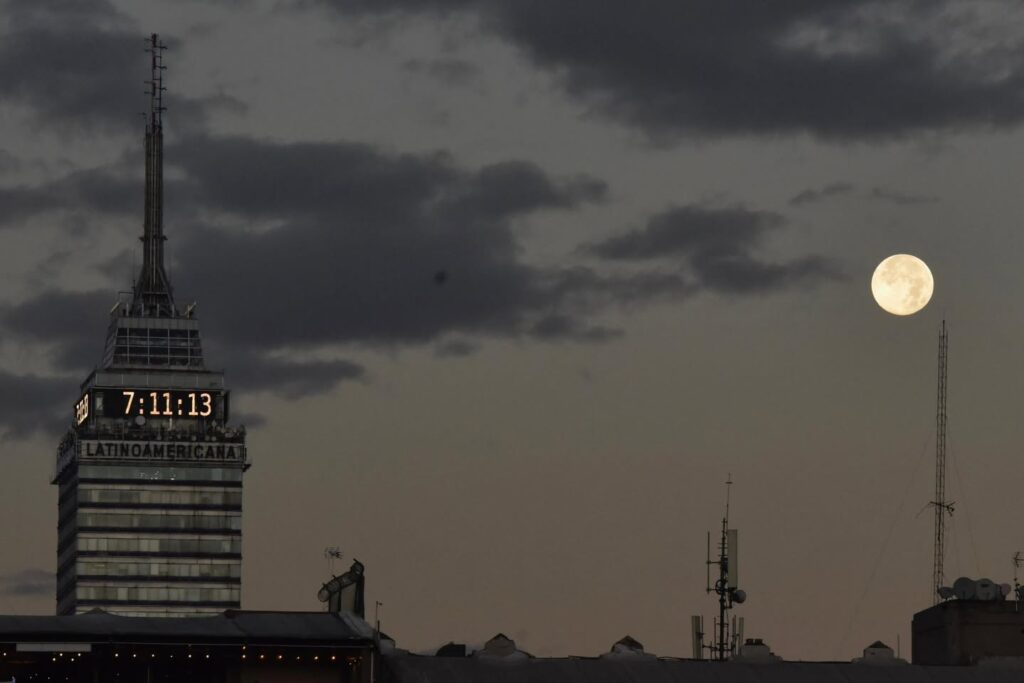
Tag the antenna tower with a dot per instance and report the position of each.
(152, 292)
(942, 508)
(727, 589)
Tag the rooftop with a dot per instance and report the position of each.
(233, 627)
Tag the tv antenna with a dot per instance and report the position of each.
(942, 508)
(331, 554)
(727, 589)
(1018, 590)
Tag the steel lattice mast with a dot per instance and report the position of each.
(940, 504)
(152, 294)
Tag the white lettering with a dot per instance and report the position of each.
(162, 451)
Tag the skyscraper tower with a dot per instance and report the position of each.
(150, 472)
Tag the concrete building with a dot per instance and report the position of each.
(963, 632)
(150, 470)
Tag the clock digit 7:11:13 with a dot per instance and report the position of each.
(168, 403)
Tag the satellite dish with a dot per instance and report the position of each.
(986, 590)
(1005, 589)
(324, 595)
(945, 592)
(964, 588)
(739, 596)
(140, 420)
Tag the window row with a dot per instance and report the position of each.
(139, 359)
(163, 569)
(159, 521)
(160, 497)
(158, 594)
(161, 332)
(160, 545)
(160, 473)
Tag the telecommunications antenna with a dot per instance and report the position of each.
(942, 508)
(332, 553)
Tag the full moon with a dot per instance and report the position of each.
(902, 284)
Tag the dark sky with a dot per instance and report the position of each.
(507, 288)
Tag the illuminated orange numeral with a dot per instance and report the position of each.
(167, 403)
(192, 411)
(131, 399)
(207, 404)
(154, 409)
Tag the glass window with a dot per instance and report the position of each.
(159, 521)
(161, 568)
(159, 594)
(168, 496)
(159, 473)
(160, 545)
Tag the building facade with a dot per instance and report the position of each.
(150, 470)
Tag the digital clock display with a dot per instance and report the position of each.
(155, 403)
(148, 403)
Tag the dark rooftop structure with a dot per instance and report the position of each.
(418, 669)
(965, 632)
(233, 646)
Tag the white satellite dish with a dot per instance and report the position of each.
(964, 588)
(986, 590)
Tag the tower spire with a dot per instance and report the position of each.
(152, 293)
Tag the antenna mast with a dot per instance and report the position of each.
(941, 506)
(152, 295)
(726, 586)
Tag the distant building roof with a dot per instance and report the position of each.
(231, 627)
(418, 669)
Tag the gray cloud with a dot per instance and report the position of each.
(833, 68)
(455, 348)
(813, 195)
(69, 62)
(718, 246)
(901, 198)
(80, 192)
(691, 229)
(30, 403)
(72, 323)
(28, 582)
(291, 379)
(361, 238)
(458, 72)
